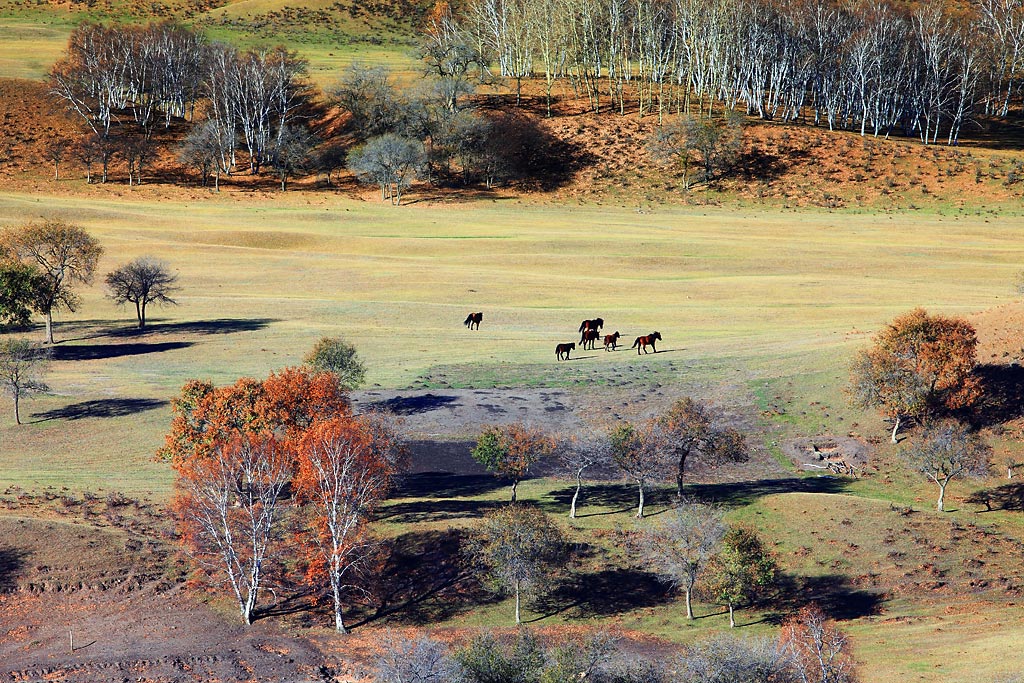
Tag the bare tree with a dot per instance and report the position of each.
(726, 659)
(638, 451)
(689, 427)
(22, 365)
(949, 450)
(141, 282)
(390, 161)
(65, 254)
(369, 96)
(580, 453)
(818, 650)
(292, 153)
(57, 150)
(420, 660)
(205, 148)
(681, 546)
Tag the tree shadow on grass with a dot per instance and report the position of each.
(737, 494)
(12, 561)
(1005, 497)
(106, 351)
(413, 405)
(619, 497)
(446, 485)
(1003, 391)
(833, 593)
(436, 510)
(107, 407)
(155, 326)
(604, 593)
(424, 581)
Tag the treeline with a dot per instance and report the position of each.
(257, 110)
(922, 69)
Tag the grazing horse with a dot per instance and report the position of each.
(588, 337)
(563, 350)
(644, 342)
(473, 319)
(595, 324)
(611, 340)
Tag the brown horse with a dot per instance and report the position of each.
(595, 324)
(588, 337)
(473, 319)
(644, 342)
(563, 350)
(611, 340)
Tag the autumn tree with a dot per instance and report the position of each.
(917, 364)
(141, 282)
(228, 507)
(682, 545)
(342, 475)
(818, 649)
(22, 293)
(336, 355)
(741, 570)
(511, 450)
(65, 255)
(689, 427)
(22, 365)
(949, 450)
(519, 548)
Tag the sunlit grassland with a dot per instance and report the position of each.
(753, 301)
(28, 48)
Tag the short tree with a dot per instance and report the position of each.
(519, 548)
(65, 254)
(205, 149)
(819, 652)
(419, 660)
(390, 161)
(949, 450)
(333, 354)
(371, 100)
(671, 147)
(689, 427)
(342, 476)
(725, 659)
(741, 570)
(917, 364)
(488, 660)
(56, 150)
(22, 293)
(292, 154)
(22, 365)
(228, 507)
(578, 454)
(638, 452)
(682, 545)
(511, 450)
(142, 282)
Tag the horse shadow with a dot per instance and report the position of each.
(102, 408)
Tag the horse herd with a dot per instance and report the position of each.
(590, 332)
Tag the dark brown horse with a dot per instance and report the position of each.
(595, 324)
(611, 340)
(588, 337)
(473, 319)
(563, 350)
(644, 342)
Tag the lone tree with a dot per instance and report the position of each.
(689, 427)
(638, 452)
(333, 354)
(818, 650)
(917, 364)
(22, 365)
(681, 547)
(65, 255)
(949, 450)
(142, 282)
(741, 569)
(22, 290)
(511, 450)
(519, 548)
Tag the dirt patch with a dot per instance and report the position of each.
(828, 454)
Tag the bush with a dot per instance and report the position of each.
(332, 354)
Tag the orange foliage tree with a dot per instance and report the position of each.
(234, 451)
(345, 468)
(511, 450)
(917, 364)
